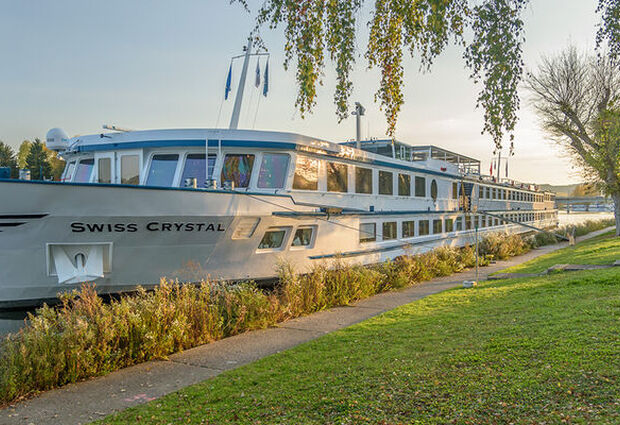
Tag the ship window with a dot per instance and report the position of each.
(389, 230)
(455, 190)
(363, 180)
(84, 170)
(458, 225)
(130, 169)
(468, 222)
(272, 173)
(437, 226)
(272, 239)
(487, 191)
(303, 237)
(368, 232)
(237, 169)
(200, 167)
(337, 177)
(434, 190)
(386, 185)
(69, 171)
(420, 186)
(104, 169)
(408, 229)
(449, 225)
(404, 185)
(163, 167)
(423, 227)
(306, 173)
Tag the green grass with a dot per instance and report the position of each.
(603, 249)
(522, 351)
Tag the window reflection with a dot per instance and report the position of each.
(306, 173)
(363, 180)
(130, 169)
(163, 167)
(238, 169)
(104, 167)
(200, 167)
(272, 173)
(337, 177)
(84, 170)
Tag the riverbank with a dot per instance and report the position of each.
(86, 401)
(533, 350)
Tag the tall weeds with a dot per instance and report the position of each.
(85, 337)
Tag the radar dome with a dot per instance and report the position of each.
(57, 140)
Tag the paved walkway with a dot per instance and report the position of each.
(87, 401)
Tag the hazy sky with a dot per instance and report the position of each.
(78, 64)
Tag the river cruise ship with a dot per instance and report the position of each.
(229, 204)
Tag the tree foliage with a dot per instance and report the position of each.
(490, 31)
(22, 153)
(7, 158)
(577, 97)
(37, 162)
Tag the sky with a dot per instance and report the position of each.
(143, 64)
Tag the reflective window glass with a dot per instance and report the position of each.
(104, 170)
(272, 173)
(368, 232)
(161, 172)
(306, 173)
(363, 180)
(130, 169)
(437, 226)
(272, 239)
(423, 227)
(420, 186)
(237, 169)
(455, 190)
(386, 185)
(198, 166)
(389, 230)
(404, 185)
(337, 177)
(449, 225)
(84, 170)
(69, 171)
(434, 190)
(408, 229)
(303, 237)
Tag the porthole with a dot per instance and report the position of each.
(434, 190)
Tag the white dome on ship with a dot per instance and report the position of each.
(57, 140)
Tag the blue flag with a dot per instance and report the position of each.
(266, 78)
(257, 81)
(228, 83)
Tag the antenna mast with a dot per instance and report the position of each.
(234, 119)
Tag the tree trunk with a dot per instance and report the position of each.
(616, 198)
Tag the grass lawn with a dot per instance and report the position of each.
(522, 351)
(603, 249)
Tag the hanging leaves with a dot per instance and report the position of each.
(609, 28)
(316, 28)
(494, 56)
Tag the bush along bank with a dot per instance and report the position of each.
(85, 337)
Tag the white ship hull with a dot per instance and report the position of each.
(141, 234)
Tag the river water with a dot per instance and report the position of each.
(12, 321)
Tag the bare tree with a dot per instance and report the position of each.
(577, 97)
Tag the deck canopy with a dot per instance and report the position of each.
(407, 152)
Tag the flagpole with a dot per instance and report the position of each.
(234, 119)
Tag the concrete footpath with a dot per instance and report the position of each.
(91, 400)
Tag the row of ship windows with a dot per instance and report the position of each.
(276, 238)
(487, 192)
(412, 228)
(272, 173)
